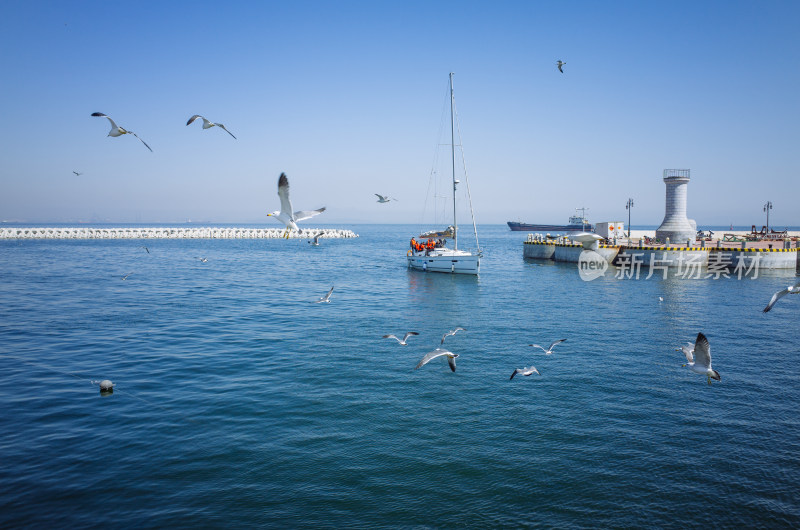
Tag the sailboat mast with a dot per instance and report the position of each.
(453, 157)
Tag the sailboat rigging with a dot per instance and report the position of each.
(431, 253)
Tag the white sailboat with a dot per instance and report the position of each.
(432, 253)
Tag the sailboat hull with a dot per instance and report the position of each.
(449, 261)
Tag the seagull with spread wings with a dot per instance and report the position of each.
(452, 332)
(384, 198)
(405, 337)
(326, 298)
(438, 352)
(560, 63)
(117, 130)
(524, 371)
(549, 349)
(286, 215)
(698, 358)
(792, 289)
(208, 124)
(315, 239)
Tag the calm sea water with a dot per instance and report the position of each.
(240, 402)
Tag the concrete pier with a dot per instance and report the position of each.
(666, 257)
(706, 258)
(567, 252)
(572, 253)
(538, 250)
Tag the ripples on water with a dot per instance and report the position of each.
(240, 402)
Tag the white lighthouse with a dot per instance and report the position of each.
(676, 226)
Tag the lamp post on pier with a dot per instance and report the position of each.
(628, 207)
(767, 208)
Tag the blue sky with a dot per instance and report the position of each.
(347, 99)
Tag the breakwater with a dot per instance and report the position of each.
(169, 233)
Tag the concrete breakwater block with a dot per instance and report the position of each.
(170, 233)
(567, 252)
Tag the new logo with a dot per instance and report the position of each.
(591, 265)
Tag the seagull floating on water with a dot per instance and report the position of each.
(549, 349)
(405, 337)
(384, 198)
(560, 63)
(286, 215)
(119, 131)
(315, 238)
(207, 124)
(326, 298)
(524, 371)
(106, 386)
(451, 332)
(698, 358)
(438, 352)
(792, 289)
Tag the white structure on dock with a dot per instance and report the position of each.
(168, 233)
(676, 226)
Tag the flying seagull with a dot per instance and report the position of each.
(147, 249)
(207, 124)
(451, 332)
(549, 349)
(792, 289)
(203, 260)
(118, 131)
(688, 351)
(126, 276)
(438, 352)
(405, 337)
(316, 239)
(560, 63)
(384, 198)
(698, 358)
(77, 174)
(286, 215)
(524, 371)
(326, 298)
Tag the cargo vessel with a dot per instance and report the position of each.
(577, 223)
